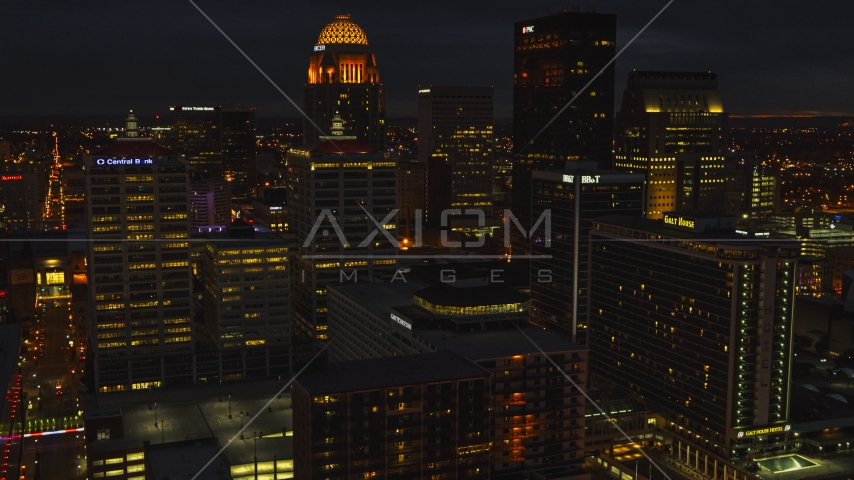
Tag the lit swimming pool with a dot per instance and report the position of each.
(785, 463)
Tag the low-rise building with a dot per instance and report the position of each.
(417, 416)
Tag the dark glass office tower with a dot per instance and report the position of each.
(697, 323)
(238, 150)
(455, 142)
(343, 79)
(555, 56)
(198, 137)
(672, 128)
(568, 200)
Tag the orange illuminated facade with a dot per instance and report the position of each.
(343, 78)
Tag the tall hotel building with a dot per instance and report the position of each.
(697, 324)
(554, 58)
(455, 143)
(567, 201)
(138, 260)
(343, 78)
(672, 127)
(337, 189)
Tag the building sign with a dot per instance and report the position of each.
(424, 90)
(319, 48)
(22, 277)
(401, 321)
(584, 178)
(528, 29)
(197, 109)
(764, 431)
(124, 161)
(680, 222)
(7, 178)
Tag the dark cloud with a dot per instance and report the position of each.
(102, 57)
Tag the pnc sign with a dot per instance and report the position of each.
(680, 222)
(764, 431)
(124, 161)
(528, 29)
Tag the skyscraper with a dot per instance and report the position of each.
(751, 189)
(455, 143)
(338, 192)
(247, 297)
(138, 259)
(672, 128)
(697, 323)
(570, 199)
(411, 196)
(554, 58)
(198, 137)
(343, 78)
(238, 150)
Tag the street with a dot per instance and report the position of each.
(52, 390)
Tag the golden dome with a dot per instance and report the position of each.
(342, 31)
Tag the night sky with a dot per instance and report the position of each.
(103, 57)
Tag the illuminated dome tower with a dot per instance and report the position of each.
(343, 78)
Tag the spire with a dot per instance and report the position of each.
(131, 130)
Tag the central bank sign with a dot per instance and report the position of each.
(124, 161)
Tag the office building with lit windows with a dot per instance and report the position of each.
(554, 58)
(210, 203)
(198, 136)
(247, 288)
(672, 127)
(424, 416)
(343, 78)
(339, 192)
(411, 196)
(697, 324)
(237, 126)
(564, 204)
(455, 143)
(751, 189)
(536, 424)
(20, 205)
(138, 260)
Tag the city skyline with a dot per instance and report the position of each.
(196, 65)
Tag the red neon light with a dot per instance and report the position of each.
(6, 178)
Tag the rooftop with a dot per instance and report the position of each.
(133, 147)
(198, 412)
(343, 147)
(471, 296)
(497, 343)
(386, 372)
(183, 461)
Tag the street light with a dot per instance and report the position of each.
(255, 444)
(155, 414)
(229, 406)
